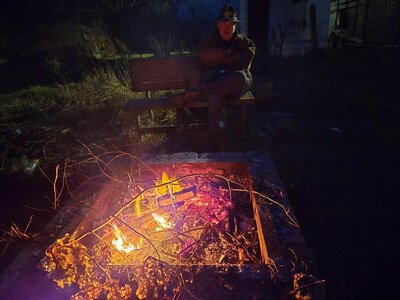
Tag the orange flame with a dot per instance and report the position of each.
(121, 242)
(160, 220)
(173, 187)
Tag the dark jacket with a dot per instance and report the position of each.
(216, 54)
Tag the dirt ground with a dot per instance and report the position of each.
(332, 129)
(330, 125)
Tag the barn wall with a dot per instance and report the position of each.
(290, 26)
(366, 21)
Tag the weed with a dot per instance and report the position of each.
(49, 119)
(104, 87)
(33, 99)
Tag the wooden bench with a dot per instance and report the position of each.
(169, 75)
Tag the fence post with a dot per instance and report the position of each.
(314, 31)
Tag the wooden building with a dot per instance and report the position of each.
(364, 22)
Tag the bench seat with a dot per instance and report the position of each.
(145, 104)
(169, 74)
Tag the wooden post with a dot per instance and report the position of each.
(314, 31)
(243, 17)
(355, 18)
(365, 21)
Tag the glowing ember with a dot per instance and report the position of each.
(190, 218)
(164, 223)
(121, 242)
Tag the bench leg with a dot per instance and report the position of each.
(179, 129)
(137, 126)
(151, 114)
(179, 120)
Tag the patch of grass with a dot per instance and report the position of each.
(44, 122)
(33, 99)
(103, 87)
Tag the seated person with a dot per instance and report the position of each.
(225, 58)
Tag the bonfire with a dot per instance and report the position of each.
(169, 228)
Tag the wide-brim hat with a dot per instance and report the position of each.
(227, 13)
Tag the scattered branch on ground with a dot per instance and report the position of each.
(14, 233)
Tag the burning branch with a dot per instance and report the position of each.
(144, 191)
(203, 234)
(138, 233)
(135, 198)
(196, 232)
(75, 265)
(111, 246)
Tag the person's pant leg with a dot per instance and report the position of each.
(216, 114)
(227, 86)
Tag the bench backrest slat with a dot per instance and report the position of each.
(164, 74)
